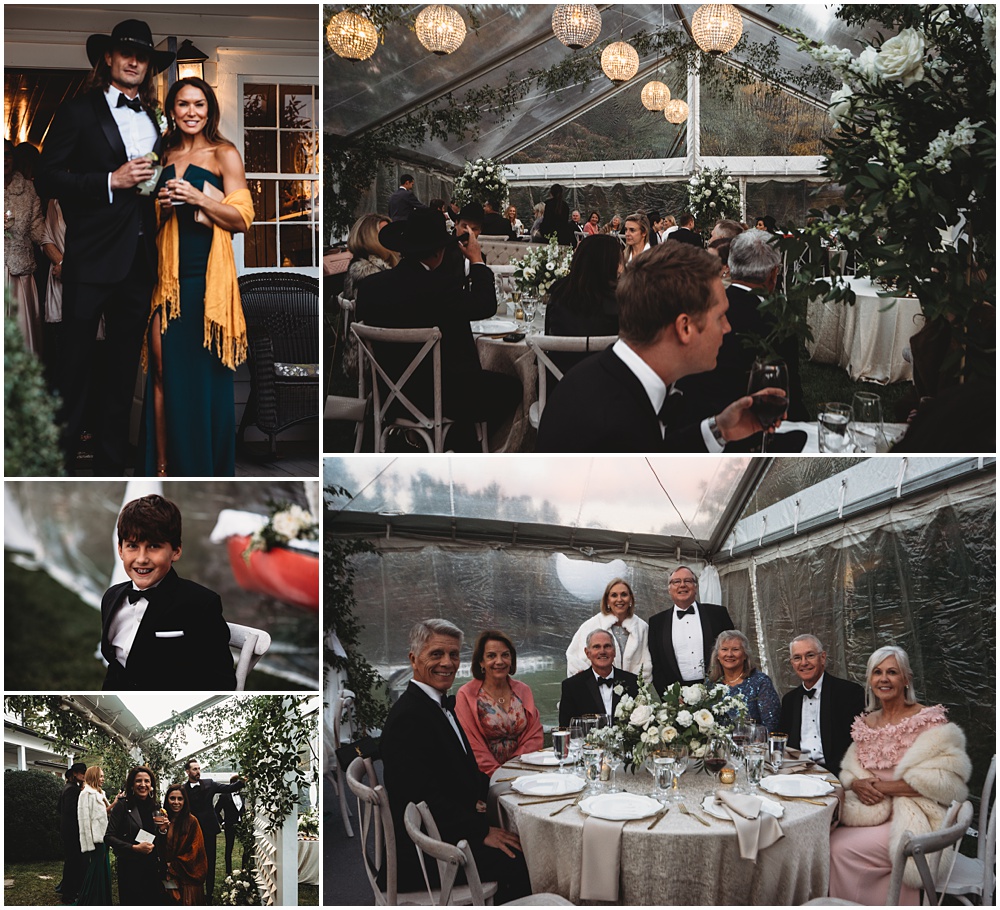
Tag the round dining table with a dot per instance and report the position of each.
(679, 861)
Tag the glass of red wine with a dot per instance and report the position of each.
(716, 754)
(770, 407)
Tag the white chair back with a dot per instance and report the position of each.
(252, 644)
(978, 876)
(542, 345)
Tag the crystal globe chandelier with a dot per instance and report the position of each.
(352, 36)
(440, 29)
(655, 95)
(716, 27)
(620, 61)
(676, 111)
(576, 25)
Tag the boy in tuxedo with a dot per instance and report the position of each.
(158, 630)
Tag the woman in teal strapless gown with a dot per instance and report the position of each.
(197, 336)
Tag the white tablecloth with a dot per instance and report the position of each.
(680, 861)
(309, 862)
(893, 432)
(866, 339)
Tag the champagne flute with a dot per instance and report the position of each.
(768, 408)
(740, 738)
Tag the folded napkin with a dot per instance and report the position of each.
(601, 859)
(755, 830)
(796, 766)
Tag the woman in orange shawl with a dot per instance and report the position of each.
(197, 334)
(184, 852)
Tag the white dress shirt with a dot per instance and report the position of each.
(125, 624)
(809, 734)
(605, 691)
(433, 693)
(136, 129)
(689, 644)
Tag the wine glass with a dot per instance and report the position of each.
(771, 407)
(613, 759)
(560, 745)
(776, 746)
(681, 759)
(663, 774)
(740, 738)
(528, 304)
(755, 754)
(834, 422)
(593, 762)
(715, 758)
(869, 434)
(577, 735)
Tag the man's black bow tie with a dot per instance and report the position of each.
(133, 595)
(670, 410)
(448, 702)
(682, 613)
(606, 681)
(133, 103)
(810, 693)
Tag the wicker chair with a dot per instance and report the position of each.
(282, 315)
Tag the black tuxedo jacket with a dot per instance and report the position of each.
(422, 759)
(82, 147)
(226, 811)
(600, 406)
(714, 619)
(840, 702)
(683, 235)
(581, 694)
(198, 658)
(201, 798)
(408, 297)
(401, 203)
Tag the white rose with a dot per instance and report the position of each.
(840, 103)
(704, 720)
(691, 694)
(642, 715)
(618, 690)
(285, 524)
(669, 734)
(902, 57)
(865, 65)
(684, 718)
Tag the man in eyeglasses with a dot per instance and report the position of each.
(681, 638)
(818, 714)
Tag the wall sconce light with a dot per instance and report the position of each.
(190, 61)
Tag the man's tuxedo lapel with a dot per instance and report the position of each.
(667, 643)
(108, 125)
(436, 718)
(826, 714)
(161, 604)
(707, 635)
(616, 366)
(798, 694)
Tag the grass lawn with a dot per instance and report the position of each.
(33, 884)
(62, 657)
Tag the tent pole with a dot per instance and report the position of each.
(694, 120)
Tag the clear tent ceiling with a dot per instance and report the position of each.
(402, 75)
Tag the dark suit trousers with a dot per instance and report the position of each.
(111, 377)
(230, 833)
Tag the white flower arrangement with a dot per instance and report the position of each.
(287, 522)
(712, 194)
(481, 180)
(240, 891)
(541, 266)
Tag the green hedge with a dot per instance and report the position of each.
(31, 816)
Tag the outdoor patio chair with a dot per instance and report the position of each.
(542, 345)
(392, 406)
(423, 831)
(282, 315)
(978, 876)
(252, 644)
(918, 846)
(375, 820)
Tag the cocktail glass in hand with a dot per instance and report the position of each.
(160, 819)
(834, 424)
(560, 745)
(663, 775)
(769, 408)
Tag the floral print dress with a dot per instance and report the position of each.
(502, 726)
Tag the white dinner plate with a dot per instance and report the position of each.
(795, 785)
(618, 807)
(548, 784)
(493, 326)
(766, 805)
(546, 758)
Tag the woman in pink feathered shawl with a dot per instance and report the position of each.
(906, 765)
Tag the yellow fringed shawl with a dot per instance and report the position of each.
(225, 327)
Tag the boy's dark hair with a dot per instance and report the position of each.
(151, 518)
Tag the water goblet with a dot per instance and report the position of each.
(613, 759)
(663, 775)
(681, 757)
(593, 762)
(869, 434)
(756, 753)
(577, 734)
(560, 745)
(529, 305)
(776, 746)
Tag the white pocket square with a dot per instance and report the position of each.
(178, 634)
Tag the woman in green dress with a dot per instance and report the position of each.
(197, 333)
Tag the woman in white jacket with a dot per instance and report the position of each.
(92, 814)
(630, 633)
(905, 766)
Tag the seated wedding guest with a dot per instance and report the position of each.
(538, 212)
(817, 715)
(426, 756)
(672, 318)
(906, 765)
(420, 293)
(631, 633)
(370, 257)
(592, 691)
(137, 856)
(753, 267)
(681, 637)
(636, 236)
(497, 712)
(439, 206)
(687, 233)
(494, 223)
(669, 227)
(726, 229)
(614, 226)
(593, 224)
(184, 855)
(457, 265)
(516, 227)
(730, 663)
(766, 223)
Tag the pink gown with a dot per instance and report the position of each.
(860, 864)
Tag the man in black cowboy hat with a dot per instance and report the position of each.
(461, 260)
(93, 160)
(419, 293)
(74, 863)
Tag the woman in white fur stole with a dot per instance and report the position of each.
(905, 766)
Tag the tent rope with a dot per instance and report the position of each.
(687, 527)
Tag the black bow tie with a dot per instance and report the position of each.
(682, 613)
(809, 693)
(133, 103)
(448, 702)
(606, 681)
(670, 409)
(134, 594)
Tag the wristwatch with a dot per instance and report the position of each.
(713, 428)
